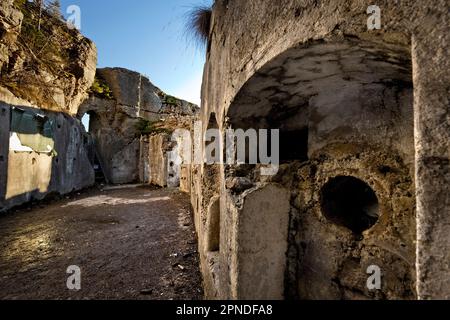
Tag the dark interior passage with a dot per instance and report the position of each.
(350, 202)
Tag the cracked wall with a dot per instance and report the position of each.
(33, 175)
(372, 105)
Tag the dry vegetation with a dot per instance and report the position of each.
(45, 55)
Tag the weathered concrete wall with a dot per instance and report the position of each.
(31, 175)
(261, 238)
(52, 85)
(57, 76)
(350, 89)
(432, 118)
(342, 112)
(163, 160)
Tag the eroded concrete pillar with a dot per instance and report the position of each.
(262, 243)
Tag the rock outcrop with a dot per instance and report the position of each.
(42, 61)
(136, 107)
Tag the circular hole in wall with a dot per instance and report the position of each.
(350, 202)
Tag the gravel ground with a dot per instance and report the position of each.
(131, 243)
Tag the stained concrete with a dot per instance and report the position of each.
(375, 107)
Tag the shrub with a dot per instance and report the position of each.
(101, 89)
(199, 24)
(171, 100)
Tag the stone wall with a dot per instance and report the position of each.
(158, 160)
(362, 110)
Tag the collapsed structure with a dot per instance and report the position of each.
(131, 128)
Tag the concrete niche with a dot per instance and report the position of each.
(262, 237)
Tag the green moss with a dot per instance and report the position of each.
(146, 127)
(171, 100)
(101, 89)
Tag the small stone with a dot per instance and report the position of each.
(147, 292)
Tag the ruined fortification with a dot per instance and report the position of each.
(363, 118)
(364, 137)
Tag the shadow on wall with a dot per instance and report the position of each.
(41, 152)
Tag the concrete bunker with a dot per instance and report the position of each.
(344, 108)
(91, 122)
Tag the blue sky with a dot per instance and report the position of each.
(147, 36)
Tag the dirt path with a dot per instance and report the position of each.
(135, 243)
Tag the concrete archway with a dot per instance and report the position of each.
(344, 107)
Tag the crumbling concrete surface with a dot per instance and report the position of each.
(359, 110)
(135, 243)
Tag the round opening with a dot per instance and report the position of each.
(350, 202)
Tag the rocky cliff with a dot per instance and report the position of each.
(46, 70)
(42, 61)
